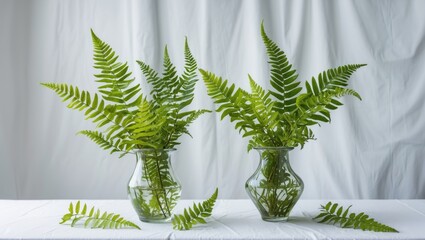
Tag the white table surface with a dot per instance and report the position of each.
(232, 219)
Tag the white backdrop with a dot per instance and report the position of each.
(372, 149)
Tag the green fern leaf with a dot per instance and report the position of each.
(316, 107)
(264, 111)
(196, 214)
(172, 94)
(188, 79)
(231, 103)
(331, 214)
(104, 220)
(181, 126)
(283, 76)
(332, 79)
(115, 78)
(147, 126)
(95, 110)
(105, 143)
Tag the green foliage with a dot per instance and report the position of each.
(127, 118)
(195, 214)
(281, 116)
(283, 76)
(331, 214)
(94, 218)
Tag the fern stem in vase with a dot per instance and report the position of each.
(153, 188)
(161, 183)
(274, 187)
(154, 192)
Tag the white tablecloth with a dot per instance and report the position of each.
(232, 219)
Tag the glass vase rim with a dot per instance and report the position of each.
(274, 148)
(136, 150)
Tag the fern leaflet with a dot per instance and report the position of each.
(283, 76)
(331, 214)
(195, 214)
(114, 77)
(94, 218)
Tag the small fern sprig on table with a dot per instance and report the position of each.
(94, 218)
(195, 214)
(331, 214)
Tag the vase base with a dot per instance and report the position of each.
(275, 219)
(150, 220)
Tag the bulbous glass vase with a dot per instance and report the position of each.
(274, 187)
(153, 188)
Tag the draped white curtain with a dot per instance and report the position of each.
(372, 149)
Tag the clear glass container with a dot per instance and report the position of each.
(153, 188)
(274, 187)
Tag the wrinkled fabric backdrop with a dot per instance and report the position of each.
(372, 149)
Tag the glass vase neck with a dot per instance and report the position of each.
(269, 152)
(149, 150)
(274, 148)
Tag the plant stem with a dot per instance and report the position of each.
(150, 186)
(160, 182)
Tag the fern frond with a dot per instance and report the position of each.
(115, 78)
(193, 115)
(283, 76)
(331, 214)
(172, 94)
(170, 77)
(101, 140)
(333, 78)
(188, 79)
(94, 218)
(147, 126)
(181, 125)
(263, 108)
(231, 103)
(195, 214)
(163, 89)
(151, 77)
(95, 109)
(317, 107)
(81, 100)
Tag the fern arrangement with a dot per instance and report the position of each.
(94, 218)
(331, 214)
(280, 118)
(127, 120)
